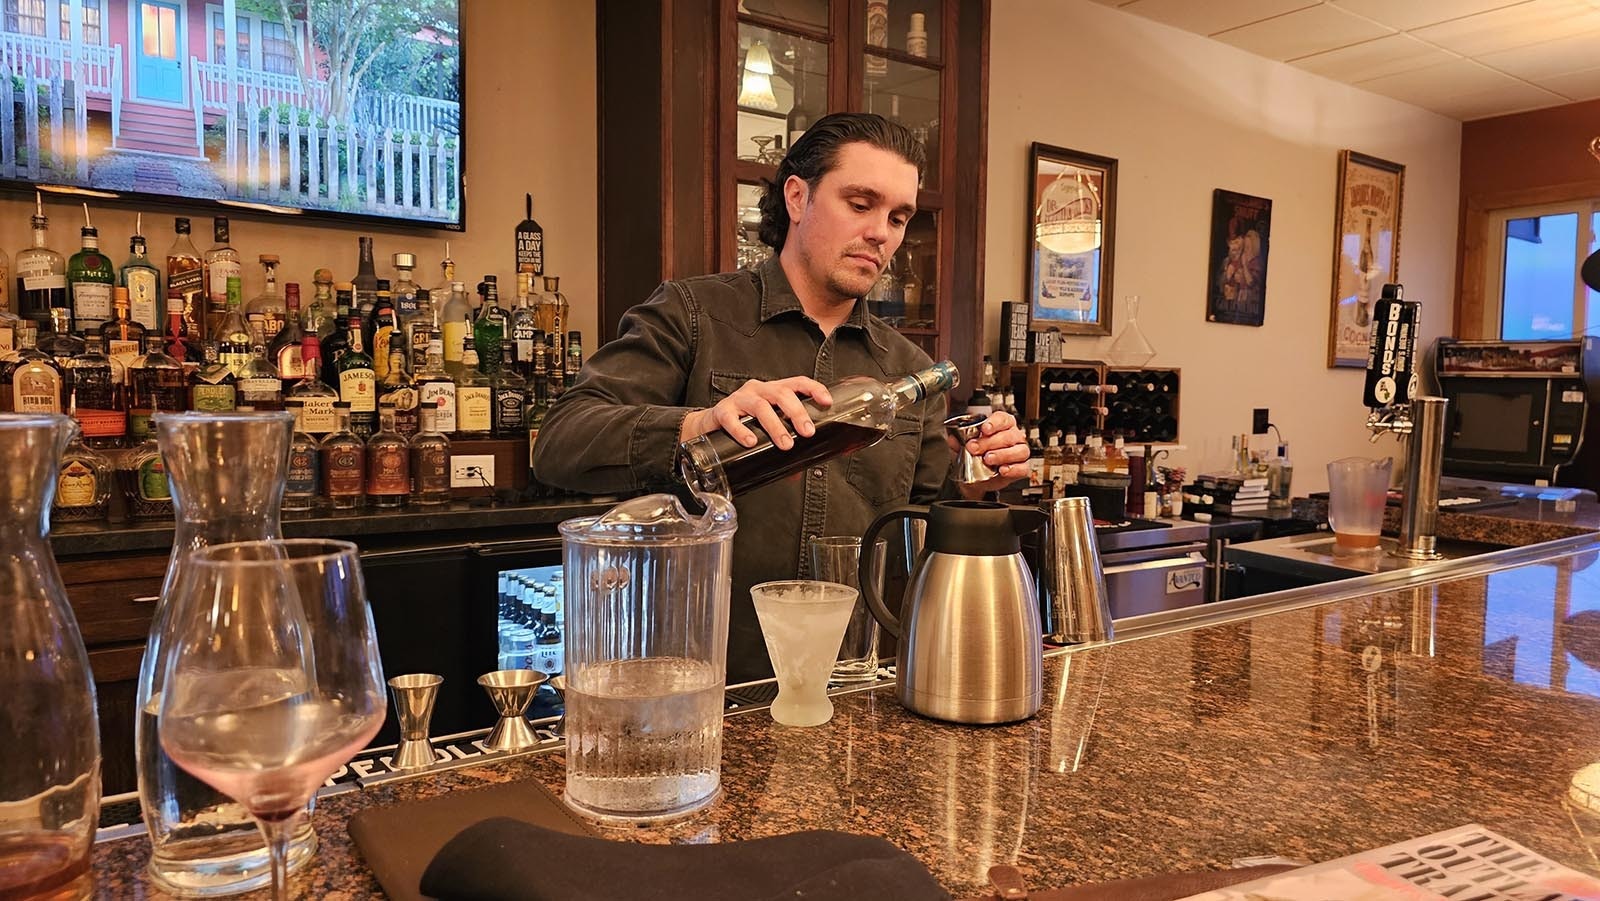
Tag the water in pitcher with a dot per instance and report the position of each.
(644, 737)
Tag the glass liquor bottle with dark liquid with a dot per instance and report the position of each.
(861, 414)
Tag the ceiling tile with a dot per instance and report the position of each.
(1502, 29)
(1302, 33)
(1212, 16)
(1511, 98)
(1579, 50)
(1408, 14)
(1584, 85)
(1434, 84)
(1373, 59)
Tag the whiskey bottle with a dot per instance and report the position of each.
(474, 397)
(358, 383)
(83, 482)
(574, 355)
(524, 326)
(177, 343)
(60, 342)
(158, 383)
(510, 396)
(221, 263)
(123, 338)
(337, 342)
(344, 463)
(213, 387)
(430, 462)
(233, 336)
(437, 390)
(388, 464)
(285, 350)
(142, 280)
(90, 278)
(553, 309)
(383, 330)
(186, 281)
(398, 389)
(97, 397)
(31, 381)
(260, 389)
(41, 273)
(862, 412)
(144, 482)
(305, 463)
(317, 400)
(267, 307)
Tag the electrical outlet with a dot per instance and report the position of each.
(472, 471)
(1258, 421)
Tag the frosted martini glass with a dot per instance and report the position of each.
(803, 623)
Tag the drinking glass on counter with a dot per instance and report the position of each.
(802, 622)
(836, 558)
(273, 681)
(1358, 488)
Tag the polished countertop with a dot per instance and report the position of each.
(1311, 732)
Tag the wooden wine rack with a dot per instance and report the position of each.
(1144, 407)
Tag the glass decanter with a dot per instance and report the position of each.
(1131, 348)
(50, 783)
(227, 472)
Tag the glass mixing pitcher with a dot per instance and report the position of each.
(1358, 488)
(646, 644)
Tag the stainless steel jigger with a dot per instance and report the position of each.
(511, 690)
(559, 683)
(414, 695)
(969, 469)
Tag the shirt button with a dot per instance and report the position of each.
(817, 472)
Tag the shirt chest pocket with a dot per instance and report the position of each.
(884, 472)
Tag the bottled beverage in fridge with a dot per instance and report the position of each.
(862, 411)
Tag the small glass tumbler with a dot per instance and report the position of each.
(836, 558)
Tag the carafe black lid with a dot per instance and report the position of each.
(979, 528)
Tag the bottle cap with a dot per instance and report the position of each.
(268, 258)
(405, 260)
(323, 276)
(383, 284)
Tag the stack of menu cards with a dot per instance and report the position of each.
(1468, 863)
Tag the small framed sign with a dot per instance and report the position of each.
(1241, 230)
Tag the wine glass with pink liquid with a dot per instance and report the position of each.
(274, 681)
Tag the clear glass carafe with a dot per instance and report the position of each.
(646, 588)
(50, 777)
(227, 472)
(1131, 347)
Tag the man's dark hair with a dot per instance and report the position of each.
(816, 154)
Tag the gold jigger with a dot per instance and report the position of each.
(414, 695)
(511, 690)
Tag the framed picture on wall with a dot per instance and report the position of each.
(1366, 250)
(1241, 229)
(1072, 205)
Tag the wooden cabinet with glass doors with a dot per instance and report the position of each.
(738, 102)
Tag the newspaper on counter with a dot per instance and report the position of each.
(1468, 863)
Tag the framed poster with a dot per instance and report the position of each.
(1241, 229)
(1072, 203)
(1366, 250)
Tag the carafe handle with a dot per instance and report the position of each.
(867, 578)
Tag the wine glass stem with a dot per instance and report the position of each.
(279, 833)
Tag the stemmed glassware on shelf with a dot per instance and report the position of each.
(272, 681)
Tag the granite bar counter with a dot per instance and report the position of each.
(1312, 732)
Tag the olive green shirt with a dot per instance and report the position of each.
(693, 343)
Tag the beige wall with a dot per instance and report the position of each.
(1184, 115)
(530, 128)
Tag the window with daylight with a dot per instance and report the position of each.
(277, 51)
(25, 17)
(91, 21)
(1535, 256)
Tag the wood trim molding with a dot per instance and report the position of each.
(1472, 300)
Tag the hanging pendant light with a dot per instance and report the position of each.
(755, 89)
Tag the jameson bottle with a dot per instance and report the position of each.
(862, 412)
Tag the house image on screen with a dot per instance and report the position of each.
(224, 99)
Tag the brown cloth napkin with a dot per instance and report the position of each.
(509, 860)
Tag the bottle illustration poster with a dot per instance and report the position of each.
(1366, 253)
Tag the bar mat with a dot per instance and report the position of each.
(400, 840)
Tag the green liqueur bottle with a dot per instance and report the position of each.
(90, 278)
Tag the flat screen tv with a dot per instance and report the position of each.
(327, 108)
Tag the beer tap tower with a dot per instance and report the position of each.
(1391, 394)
